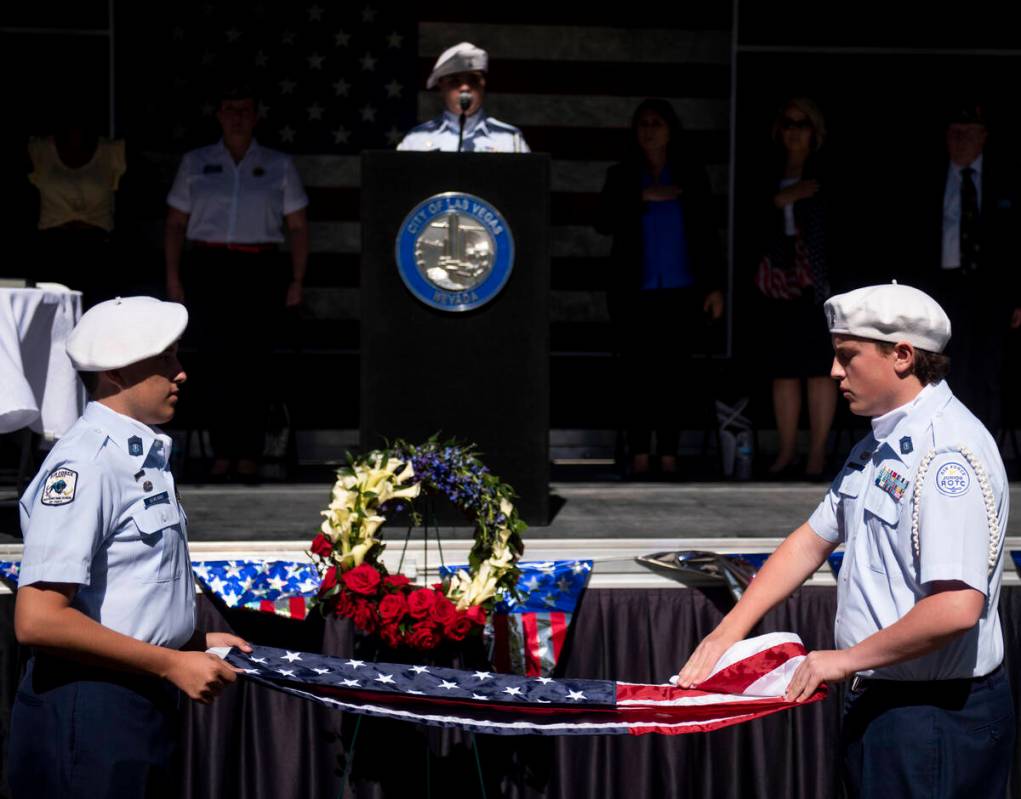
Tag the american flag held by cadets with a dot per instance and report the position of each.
(748, 683)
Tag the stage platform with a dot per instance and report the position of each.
(611, 522)
(588, 510)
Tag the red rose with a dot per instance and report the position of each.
(362, 579)
(321, 546)
(392, 607)
(443, 612)
(329, 580)
(365, 616)
(391, 635)
(459, 627)
(396, 580)
(424, 635)
(345, 605)
(476, 615)
(420, 602)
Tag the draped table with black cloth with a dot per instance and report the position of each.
(258, 743)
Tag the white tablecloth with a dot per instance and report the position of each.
(38, 385)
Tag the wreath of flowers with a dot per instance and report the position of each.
(347, 552)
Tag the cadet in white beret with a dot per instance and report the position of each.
(921, 509)
(123, 331)
(891, 313)
(460, 76)
(106, 597)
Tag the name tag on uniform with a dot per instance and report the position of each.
(892, 483)
(163, 498)
(212, 169)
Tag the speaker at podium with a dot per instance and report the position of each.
(455, 308)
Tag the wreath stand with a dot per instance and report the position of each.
(429, 516)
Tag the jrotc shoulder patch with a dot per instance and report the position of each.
(953, 479)
(59, 487)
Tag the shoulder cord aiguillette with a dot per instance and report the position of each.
(987, 497)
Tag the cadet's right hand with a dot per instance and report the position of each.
(200, 675)
(702, 660)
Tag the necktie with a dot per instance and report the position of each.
(969, 221)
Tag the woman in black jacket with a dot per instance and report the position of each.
(666, 277)
(794, 275)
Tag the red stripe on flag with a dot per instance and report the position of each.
(737, 676)
(297, 607)
(266, 606)
(530, 633)
(558, 632)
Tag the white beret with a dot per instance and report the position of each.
(463, 57)
(123, 331)
(890, 312)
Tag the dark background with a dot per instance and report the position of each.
(882, 73)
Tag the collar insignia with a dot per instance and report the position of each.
(134, 446)
(906, 447)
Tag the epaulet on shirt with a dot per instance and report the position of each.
(428, 126)
(87, 442)
(503, 127)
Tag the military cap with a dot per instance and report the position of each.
(889, 312)
(123, 331)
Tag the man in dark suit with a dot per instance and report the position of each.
(970, 263)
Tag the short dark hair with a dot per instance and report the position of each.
(929, 367)
(235, 87)
(90, 380)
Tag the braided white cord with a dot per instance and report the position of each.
(988, 499)
(916, 501)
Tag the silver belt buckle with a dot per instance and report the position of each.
(857, 684)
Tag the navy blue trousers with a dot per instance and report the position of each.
(83, 732)
(942, 739)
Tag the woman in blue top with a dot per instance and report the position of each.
(666, 280)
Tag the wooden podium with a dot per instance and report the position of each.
(449, 231)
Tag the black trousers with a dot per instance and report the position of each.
(78, 731)
(237, 302)
(942, 739)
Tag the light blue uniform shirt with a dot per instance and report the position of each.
(482, 134)
(90, 518)
(962, 520)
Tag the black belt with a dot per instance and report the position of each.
(860, 683)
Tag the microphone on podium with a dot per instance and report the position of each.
(465, 100)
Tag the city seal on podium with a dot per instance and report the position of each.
(454, 251)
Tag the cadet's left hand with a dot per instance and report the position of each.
(227, 639)
(824, 665)
(294, 294)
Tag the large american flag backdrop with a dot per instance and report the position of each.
(340, 78)
(748, 682)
